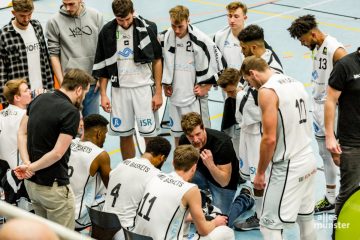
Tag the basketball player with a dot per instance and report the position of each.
(192, 63)
(89, 167)
(327, 51)
(128, 180)
(18, 95)
(229, 45)
(286, 143)
(253, 44)
(135, 74)
(169, 198)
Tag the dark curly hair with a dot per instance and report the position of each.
(302, 25)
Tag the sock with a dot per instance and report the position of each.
(258, 205)
(307, 229)
(271, 234)
(330, 195)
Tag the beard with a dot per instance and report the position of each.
(77, 105)
(160, 165)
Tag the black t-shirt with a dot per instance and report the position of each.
(345, 77)
(49, 115)
(223, 153)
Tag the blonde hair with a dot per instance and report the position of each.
(11, 89)
(22, 5)
(253, 63)
(179, 13)
(185, 156)
(233, 6)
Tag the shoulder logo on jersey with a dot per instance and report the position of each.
(226, 43)
(325, 51)
(126, 52)
(116, 122)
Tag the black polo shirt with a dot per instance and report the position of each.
(223, 153)
(345, 77)
(49, 115)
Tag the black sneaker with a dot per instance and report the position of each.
(250, 224)
(324, 206)
(241, 180)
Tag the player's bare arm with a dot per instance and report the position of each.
(268, 102)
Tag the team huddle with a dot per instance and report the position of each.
(52, 159)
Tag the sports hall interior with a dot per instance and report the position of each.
(339, 18)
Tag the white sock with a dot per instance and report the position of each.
(258, 205)
(271, 234)
(330, 195)
(307, 229)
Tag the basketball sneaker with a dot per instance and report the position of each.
(324, 206)
(250, 224)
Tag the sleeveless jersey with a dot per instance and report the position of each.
(131, 74)
(85, 187)
(294, 130)
(10, 119)
(126, 187)
(322, 67)
(184, 73)
(161, 214)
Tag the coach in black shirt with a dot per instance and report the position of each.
(344, 90)
(45, 135)
(218, 166)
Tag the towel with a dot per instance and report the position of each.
(209, 62)
(146, 48)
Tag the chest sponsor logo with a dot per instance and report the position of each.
(126, 52)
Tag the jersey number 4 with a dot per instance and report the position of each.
(115, 193)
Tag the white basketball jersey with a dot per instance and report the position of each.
(126, 187)
(294, 130)
(85, 187)
(232, 52)
(322, 67)
(184, 73)
(161, 214)
(131, 74)
(10, 119)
